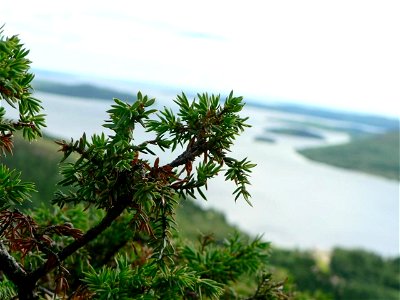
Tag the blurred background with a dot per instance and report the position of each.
(321, 83)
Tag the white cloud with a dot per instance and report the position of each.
(343, 54)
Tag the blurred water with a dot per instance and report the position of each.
(300, 203)
(296, 202)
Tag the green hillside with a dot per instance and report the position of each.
(348, 274)
(38, 161)
(377, 155)
(378, 278)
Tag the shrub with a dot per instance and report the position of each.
(109, 234)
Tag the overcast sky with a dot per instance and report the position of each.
(342, 54)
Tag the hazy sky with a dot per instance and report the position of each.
(343, 54)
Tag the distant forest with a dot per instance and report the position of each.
(384, 123)
(377, 154)
(86, 90)
(83, 90)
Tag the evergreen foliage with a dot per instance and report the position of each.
(15, 89)
(109, 233)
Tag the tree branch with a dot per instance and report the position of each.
(10, 267)
(90, 235)
(24, 124)
(189, 154)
